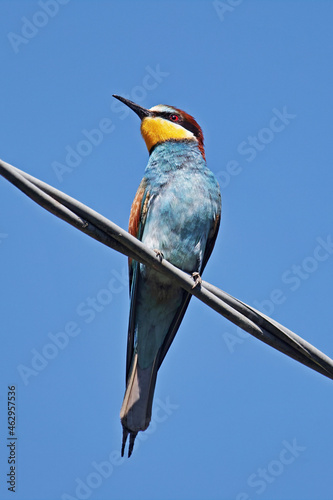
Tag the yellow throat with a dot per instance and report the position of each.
(156, 129)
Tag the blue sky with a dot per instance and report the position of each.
(233, 419)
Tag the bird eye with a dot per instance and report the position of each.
(174, 118)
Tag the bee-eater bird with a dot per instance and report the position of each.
(176, 212)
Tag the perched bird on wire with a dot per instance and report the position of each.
(176, 212)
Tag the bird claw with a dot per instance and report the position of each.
(197, 279)
(159, 254)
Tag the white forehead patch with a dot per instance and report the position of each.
(163, 108)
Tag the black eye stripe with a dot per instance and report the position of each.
(166, 115)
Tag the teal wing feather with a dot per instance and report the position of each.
(187, 296)
(136, 226)
(139, 212)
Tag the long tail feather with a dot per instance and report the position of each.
(125, 434)
(131, 442)
(135, 413)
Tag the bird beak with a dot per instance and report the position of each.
(139, 110)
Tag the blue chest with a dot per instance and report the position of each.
(184, 202)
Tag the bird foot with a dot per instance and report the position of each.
(197, 279)
(159, 254)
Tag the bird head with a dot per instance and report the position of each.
(165, 123)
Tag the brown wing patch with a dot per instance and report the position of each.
(135, 215)
(145, 207)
